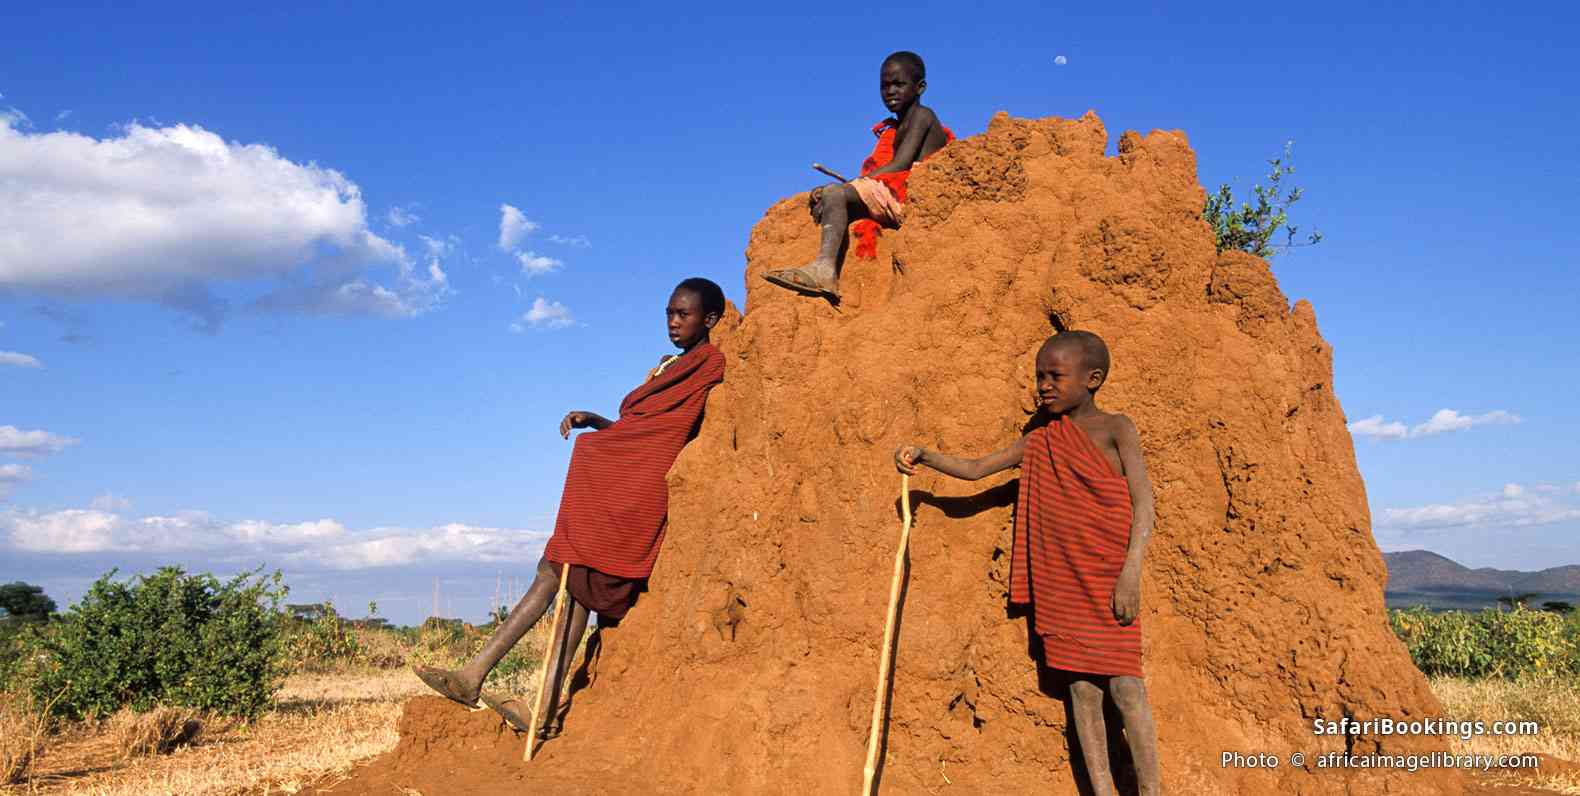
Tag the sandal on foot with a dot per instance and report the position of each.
(800, 281)
(445, 683)
(502, 706)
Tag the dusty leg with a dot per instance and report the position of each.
(521, 619)
(1141, 735)
(836, 205)
(574, 630)
(1086, 702)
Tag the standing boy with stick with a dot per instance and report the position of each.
(612, 514)
(1081, 525)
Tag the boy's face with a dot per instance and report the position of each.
(898, 87)
(688, 325)
(1063, 379)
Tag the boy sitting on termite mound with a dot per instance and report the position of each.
(877, 197)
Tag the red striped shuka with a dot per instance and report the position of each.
(1072, 530)
(613, 511)
(866, 231)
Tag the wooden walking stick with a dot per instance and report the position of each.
(555, 652)
(881, 701)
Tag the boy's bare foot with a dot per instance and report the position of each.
(447, 684)
(813, 280)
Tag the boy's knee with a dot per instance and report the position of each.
(1129, 693)
(1085, 691)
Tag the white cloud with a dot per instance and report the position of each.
(1374, 426)
(324, 543)
(1450, 420)
(164, 213)
(110, 502)
(388, 547)
(19, 360)
(513, 226)
(401, 216)
(1512, 506)
(544, 314)
(1444, 420)
(575, 241)
(11, 475)
(17, 442)
(533, 264)
(1576, 488)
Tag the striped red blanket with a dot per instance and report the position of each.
(1072, 528)
(616, 499)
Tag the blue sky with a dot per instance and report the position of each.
(263, 301)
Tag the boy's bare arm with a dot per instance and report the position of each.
(909, 147)
(1127, 590)
(907, 457)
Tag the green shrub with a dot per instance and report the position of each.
(1489, 643)
(320, 640)
(1252, 228)
(167, 638)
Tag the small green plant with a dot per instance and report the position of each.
(167, 638)
(1252, 228)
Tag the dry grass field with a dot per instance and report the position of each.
(325, 719)
(1553, 703)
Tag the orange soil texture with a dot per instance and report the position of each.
(1263, 592)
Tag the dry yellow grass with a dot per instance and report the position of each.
(1554, 704)
(322, 726)
(20, 741)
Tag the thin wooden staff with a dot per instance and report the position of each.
(830, 172)
(885, 675)
(551, 655)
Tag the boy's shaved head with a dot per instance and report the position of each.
(910, 61)
(708, 292)
(1093, 351)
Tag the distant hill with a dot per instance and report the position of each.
(1426, 577)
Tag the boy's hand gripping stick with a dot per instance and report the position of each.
(885, 671)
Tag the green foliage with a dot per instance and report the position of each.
(167, 638)
(1558, 606)
(319, 640)
(24, 602)
(1253, 228)
(1490, 643)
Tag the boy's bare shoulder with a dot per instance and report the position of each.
(1118, 423)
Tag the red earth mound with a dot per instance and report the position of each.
(1263, 594)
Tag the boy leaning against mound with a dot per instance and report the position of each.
(877, 197)
(1081, 523)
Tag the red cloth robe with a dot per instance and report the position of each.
(1072, 531)
(866, 231)
(613, 511)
